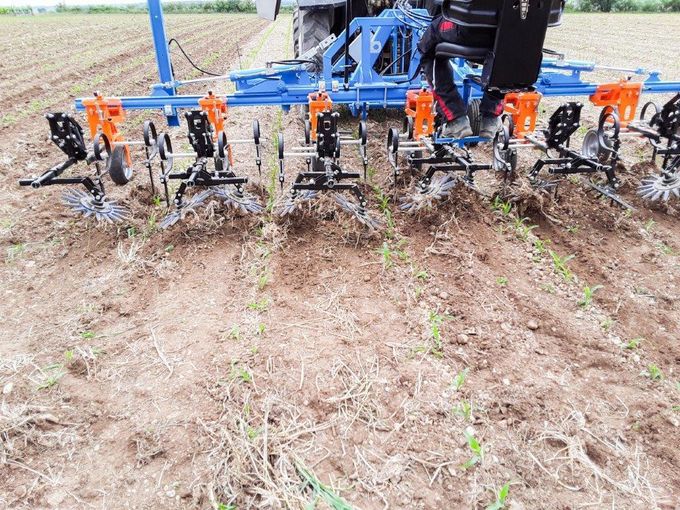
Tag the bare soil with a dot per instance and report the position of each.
(235, 362)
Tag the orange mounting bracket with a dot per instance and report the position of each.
(419, 107)
(623, 96)
(319, 102)
(523, 108)
(103, 116)
(216, 108)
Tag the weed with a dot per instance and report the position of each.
(560, 265)
(499, 205)
(157, 200)
(169, 248)
(649, 226)
(418, 292)
(321, 491)
(573, 229)
(653, 372)
(222, 506)
(241, 373)
(235, 333)
(665, 249)
(259, 306)
(502, 281)
(260, 329)
(131, 232)
(384, 206)
(87, 335)
(262, 281)
(607, 324)
(477, 451)
(52, 374)
(459, 380)
(633, 344)
(588, 292)
(501, 496)
(464, 410)
(422, 275)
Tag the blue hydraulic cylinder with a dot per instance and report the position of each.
(160, 43)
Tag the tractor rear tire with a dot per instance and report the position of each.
(310, 27)
(117, 166)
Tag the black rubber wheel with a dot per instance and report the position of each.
(280, 145)
(408, 127)
(392, 141)
(117, 166)
(308, 132)
(310, 27)
(256, 131)
(150, 134)
(363, 132)
(475, 116)
(222, 145)
(101, 141)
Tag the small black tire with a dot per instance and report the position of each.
(280, 144)
(117, 166)
(475, 116)
(392, 141)
(308, 132)
(150, 134)
(363, 132)
(256, 131)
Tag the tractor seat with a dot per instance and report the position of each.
(451, 50)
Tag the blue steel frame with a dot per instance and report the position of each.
(289, 84)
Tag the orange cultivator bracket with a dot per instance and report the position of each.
(622, 96)
(216, 108)
(103, 116)
(523, 108)
(419, 108)
(319, 102)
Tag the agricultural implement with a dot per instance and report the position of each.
(322, 151)
(374, 63)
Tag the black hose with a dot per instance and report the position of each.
(189, 58)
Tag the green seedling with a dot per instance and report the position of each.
(522, 230)
(131, 232)
(459, 380)
(588, 292)
(260, 329)
(464, 410)
(573, 229)
(222, 506)
(262, 281)
(259, 306)
(384, 206)
(169, 248)
(157, 200)
(243, 374)
(330, 498)
(436, 320)
(499, 205)
(87, 335)
(560, 265)
(68, 355)
(502, 281)
(548, 288)
(500, 498)
(477, 451)
(418, 292)
(422, 275)
(541, 246)
(649, 226)
(235, 333)
(386, 254)
(653, 372)
(633, 344)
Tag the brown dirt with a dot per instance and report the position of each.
(215, 362)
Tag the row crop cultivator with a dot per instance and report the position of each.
(375, 64)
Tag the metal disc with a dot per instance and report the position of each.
(188, 207)
(438, 189)
(103, 209)
(357, 210)
(238, 200)
(660, 187)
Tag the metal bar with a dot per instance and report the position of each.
(163, 62)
